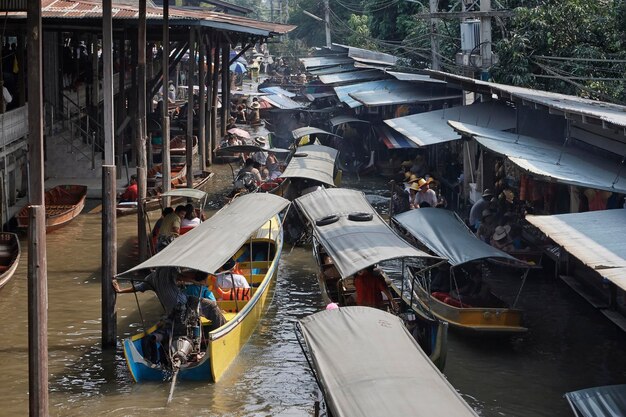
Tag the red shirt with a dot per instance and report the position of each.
(131, 193)
(368, 289)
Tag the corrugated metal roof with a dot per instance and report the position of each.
(596, 238)
(79, 9)
(335, 69)
(278, 90)
(338, 120)
(280, 101)
(549, 159)
(402, 93)
(432, 127)
(344, 90)
(405, 76)
(325, 61)
(393, 139)
(603, 111)
(354, 76)
(368, 56)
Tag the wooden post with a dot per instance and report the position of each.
(21, 75)
(142, 186)
(202, 104)
(121, 94)
(190, 77)
(225, 85)
(216, 62)
(209, 98)
(37, 267)
(109, 179)
(165, 136)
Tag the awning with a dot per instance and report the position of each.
(333, 70)
(185, 192)
(308, 130)
(339, 120)
(432, 127)
(322, 61)
(405, 76)
(353, 245)
(206, 247)
(281, 102)
(550, 159)
(608, 401)
(352, 77)
(368, 56)
(446, 235)
(368, 364)
(403, 92)
(393, 139)
(315, 96)
(596, 238)
(314, 162)
(344, 91)
(278, 90)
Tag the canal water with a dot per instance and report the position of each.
(569, 345)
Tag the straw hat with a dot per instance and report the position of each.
(413, 178)
(407, 176)
(422, 182)
(261, 141)
(415, 187)
(500, 233)
(255, 105)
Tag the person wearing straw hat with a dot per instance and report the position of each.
(424, 196)
(255, 109)
(260, 156)
(500, 238)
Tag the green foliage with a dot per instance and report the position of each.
(360, 35)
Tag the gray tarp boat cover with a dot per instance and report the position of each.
(206, 247)
(314, 162)
(596, 238)
(353, 245)
(249, 148)
(308, 130)
(444, 233)
(609, 401)
(339, 120)
(368, 364)
(186, 192)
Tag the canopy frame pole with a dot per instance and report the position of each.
(619, 171)
(143, 323)
(521, 287)
(269, 244)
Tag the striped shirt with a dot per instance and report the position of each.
(163, 282)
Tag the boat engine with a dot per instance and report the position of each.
(186, 336)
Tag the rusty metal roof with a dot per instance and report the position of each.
(80, 9)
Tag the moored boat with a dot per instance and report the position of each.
(367, 363)
(256, 243)
(63, 204)
(155, 174)
(349, 236)
(606, 401)
(476, 309)
(9, 256)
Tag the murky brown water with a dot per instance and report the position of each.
(569, 345)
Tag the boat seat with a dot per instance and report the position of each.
(227, 315)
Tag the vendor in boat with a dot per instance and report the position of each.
(255, 108)
(478, 208)
(501, 240)
(425, 196)
(370, 286)
(170, 227)
(249, 167)
(260, 156)
(164, 282)
(272, 165)
(131, 193)
(157, 225)
(487, 226)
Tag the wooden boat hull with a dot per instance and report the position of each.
(481, 320)
(178, 171)
(63, 204)
(9, 256)
(225, 342)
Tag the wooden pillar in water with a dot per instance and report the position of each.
(122, 110)
(202, 104)
(37, 266)
(109, 180)
(165, 125)
(209, 108)
(142, 237)
(216, 66)
(225, 85)
(190, 78)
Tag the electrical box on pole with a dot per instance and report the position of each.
(470, 35)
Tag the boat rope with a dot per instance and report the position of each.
(522, 286)
(299, 335)
(143, 323)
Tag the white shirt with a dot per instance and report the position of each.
(430, 197)
(193, 222)
(226, 279)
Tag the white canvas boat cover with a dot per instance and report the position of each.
(596, 238)
(206, 247)
(403, 94)
(351, 77)
(353, 245)
(549, 159)
(308, 130)
(186, 192)
(445, 234)
(368, 364)
(314, 162)
(608, 401)
(432, 127)
(339, 120)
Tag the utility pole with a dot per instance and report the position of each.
(327, 23)
(434, 37)
(485, 39)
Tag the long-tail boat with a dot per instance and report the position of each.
(9, 256)
(63, 204)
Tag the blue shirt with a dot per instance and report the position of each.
(200, 291)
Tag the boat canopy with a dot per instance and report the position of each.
(353, 245)
(446, 235)
(278, 90)
(308, 130)
(249, 149)
(368, 364)
(208, 246)
(314, 162)
(608, 401)
(186, 192)
(596, 238)
(339, 120)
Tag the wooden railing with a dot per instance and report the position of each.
(13, 125)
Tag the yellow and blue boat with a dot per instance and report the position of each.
(248, 230)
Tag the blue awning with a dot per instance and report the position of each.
(393, 139)
(278, 90)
